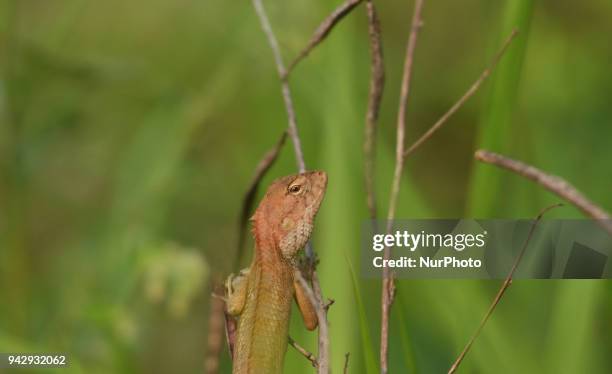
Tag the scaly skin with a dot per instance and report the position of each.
(261, 296)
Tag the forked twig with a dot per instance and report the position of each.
(377, 83)
(323, 31)
(466, 96)
(553, 183)
(317, 296)
(502, 290)
(304, 352)
(287, 98)
(388, 286)
(401, 155)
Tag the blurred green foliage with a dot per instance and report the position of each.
(129, 132)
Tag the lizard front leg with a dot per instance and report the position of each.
(236, 287)
(307, 310)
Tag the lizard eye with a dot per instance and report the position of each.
(294, 189)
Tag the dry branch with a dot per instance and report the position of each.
(502, 290)
(552, 183)
(466, 96)
(377, 82)
(388, 286)
(304, 352)
(322, 31)
(287, 98)
(316, 296)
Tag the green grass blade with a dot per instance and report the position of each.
(364, 324)
(497, 130)
(573, 322)
(408, 354)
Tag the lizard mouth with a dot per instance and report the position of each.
(320, 180)
(319, 185)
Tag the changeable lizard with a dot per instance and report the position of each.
(260, 296)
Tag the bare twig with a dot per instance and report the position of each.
(299, 155)
(346, 361)
(323, 366)
(552, 183)
(388, 286)
(304, 352)
(249, 198)
(322, 31)
(502, 290)
(377, 82)
(466, 96)
(280, 67)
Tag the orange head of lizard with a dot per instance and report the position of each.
(287, 211)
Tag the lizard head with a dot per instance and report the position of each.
(287, 211)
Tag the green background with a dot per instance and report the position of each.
(129, 131)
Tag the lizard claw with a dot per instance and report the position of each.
(229, 286)
(233, 280)
(220, 297)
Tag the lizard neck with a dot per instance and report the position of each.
(267, 248)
